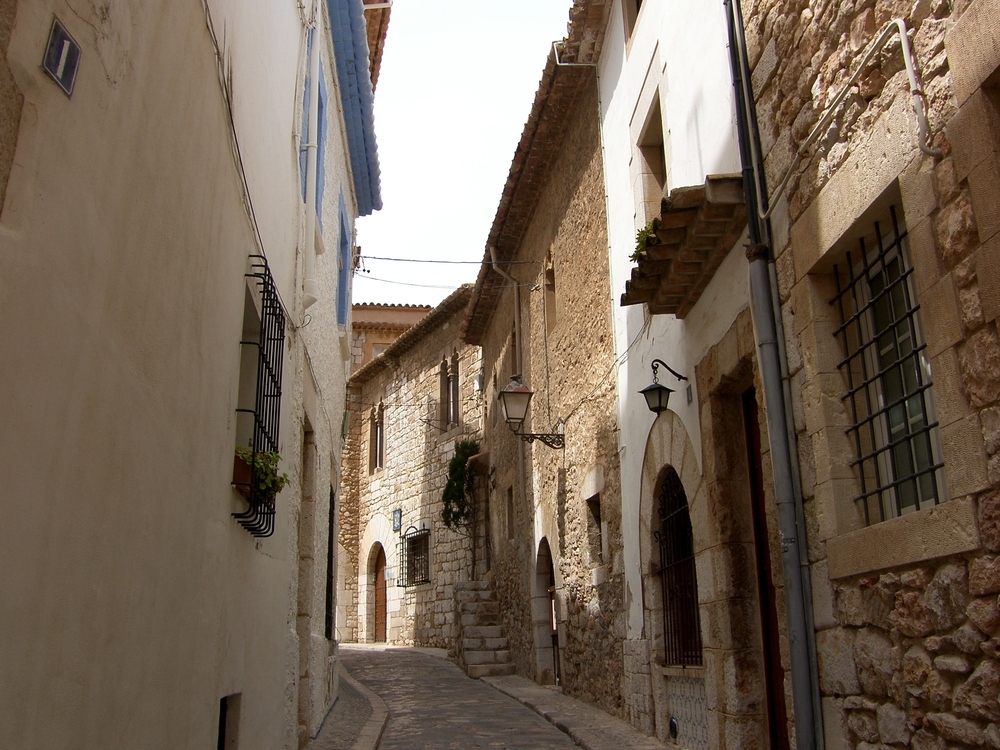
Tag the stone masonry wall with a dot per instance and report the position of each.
(907, 609)
(567, 359)
(417, 453)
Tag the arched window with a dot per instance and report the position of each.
(681, 629)
(376, 438)
(443, 394)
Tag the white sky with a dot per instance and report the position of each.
(455, 89)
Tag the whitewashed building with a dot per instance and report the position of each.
(180, 183)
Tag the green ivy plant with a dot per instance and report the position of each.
(457, 495)
(265, 470)
(642, 238)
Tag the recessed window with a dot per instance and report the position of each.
(415, 549)
(595, 540)
(652, 167)
(890, 404)
(376, 438)
(229, 722)
(630, 11)
(681, 629)
(550, 295)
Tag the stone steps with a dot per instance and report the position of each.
(478, 644)
(489, 670)
(481, 648)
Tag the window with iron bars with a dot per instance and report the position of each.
(414, 557)
(889, 401)
(263, 340)
(681, 622)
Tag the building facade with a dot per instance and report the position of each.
(409, 407)
(171, 174)
(883, 245)
(541, 313)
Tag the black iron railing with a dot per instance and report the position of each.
(258, 519)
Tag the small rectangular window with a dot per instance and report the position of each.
(415, 556)
(376, 438)
(889, 400)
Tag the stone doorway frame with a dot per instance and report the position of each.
(544, 613)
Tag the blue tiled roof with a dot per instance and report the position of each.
(350, 46)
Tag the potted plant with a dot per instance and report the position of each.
(266, 479)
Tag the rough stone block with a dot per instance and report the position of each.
(955, 729)
(988, 272)
(764, 71)
(837, 672)
(984, 575)
(980, 363)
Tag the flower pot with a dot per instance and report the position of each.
(241, 476)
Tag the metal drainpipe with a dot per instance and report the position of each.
(805, 692)
(518, 343)
(310, 291)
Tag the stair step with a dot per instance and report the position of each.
(473, 586)
(483, 631)
(486, 657)
(480, 619)
(489, 670)
(484, 644)
(479, 607)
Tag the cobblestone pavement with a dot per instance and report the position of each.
(345, 721)
(433, 704)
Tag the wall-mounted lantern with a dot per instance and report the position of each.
(657, 395)
(514, 400)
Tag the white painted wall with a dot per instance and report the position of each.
(695, 90)
(132, 601)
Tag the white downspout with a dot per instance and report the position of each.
(310, 290)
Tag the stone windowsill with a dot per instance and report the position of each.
(946, 529)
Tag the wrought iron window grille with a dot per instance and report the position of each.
(681, 620)
(258, 519)
(893, 429)
(414, 557)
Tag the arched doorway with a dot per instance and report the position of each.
(378, 587)
(545, 615)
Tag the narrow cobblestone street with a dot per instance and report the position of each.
(433, 704)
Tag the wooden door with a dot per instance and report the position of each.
(774, 674)
(380, 596)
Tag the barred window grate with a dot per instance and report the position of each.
(893, 429)
(266, 413)
(681, 624)
(414, 557)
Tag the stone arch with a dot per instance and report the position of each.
(545, 616)
(378, 531)
(676, 692)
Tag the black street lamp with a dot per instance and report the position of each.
(657, 395)
(514, 400)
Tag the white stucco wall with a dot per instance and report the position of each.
(695, 93)
(132, 600)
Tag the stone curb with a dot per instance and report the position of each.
(371, 733)
(588, 726)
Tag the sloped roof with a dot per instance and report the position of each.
(454, 302)
(357, 95)
(377, 23)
